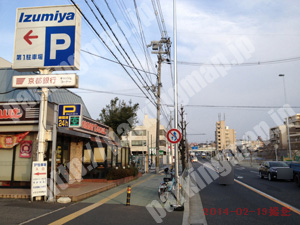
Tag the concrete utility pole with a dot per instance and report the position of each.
(158, 110)
(182, 141)
(42, 120)
(160, 48)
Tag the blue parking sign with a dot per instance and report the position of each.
(60, 46)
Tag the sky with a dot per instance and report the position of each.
(262, 36)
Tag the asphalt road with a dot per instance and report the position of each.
(236, 204)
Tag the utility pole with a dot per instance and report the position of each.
(186, 142)
(161, 48)
(182, 141)
(158, 110)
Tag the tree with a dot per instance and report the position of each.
(119, 115)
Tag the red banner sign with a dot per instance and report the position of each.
(9, 141)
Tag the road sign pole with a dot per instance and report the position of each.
(176, 98)
(43, 119)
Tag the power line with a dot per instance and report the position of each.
(162, 18)
(129, 23)
(113, 15)
(259, 63)
(147, 55)
(86, 19)
(109, 92)
(157, 19)
(93, 54)
(120, 44)
(239, 106)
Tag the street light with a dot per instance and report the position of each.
(287, 121)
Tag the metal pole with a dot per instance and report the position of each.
(148, 146)
(42, 120)
(175, 97)
(53, 158)
(151, 151)
(158, 110)
(287, 121)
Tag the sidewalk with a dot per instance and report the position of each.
(76, 191)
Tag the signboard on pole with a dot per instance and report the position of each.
(174, 136)
(47, 37)
(39, 179)
(70, 115)
(49, 81)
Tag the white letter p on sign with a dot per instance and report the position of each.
(55, 46)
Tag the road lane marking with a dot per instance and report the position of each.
(95, 205)
(295, 210)
(46, 214)
(254, 172)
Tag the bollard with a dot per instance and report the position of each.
(128, 196)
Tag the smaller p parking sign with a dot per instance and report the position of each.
(70, 115)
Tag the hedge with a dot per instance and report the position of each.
(115, 174)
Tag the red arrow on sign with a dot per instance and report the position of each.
(40, 174)
(27, 37)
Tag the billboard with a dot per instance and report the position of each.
(50, 81)
(47, 37)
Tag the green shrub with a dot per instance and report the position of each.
(114, 174)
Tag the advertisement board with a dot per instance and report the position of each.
(47, 37)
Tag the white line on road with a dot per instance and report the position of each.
(254, 172)
(294, 209)
(239, 168)
(46, 214)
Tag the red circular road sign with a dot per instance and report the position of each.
(174, 136)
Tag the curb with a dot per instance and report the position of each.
(196, 212)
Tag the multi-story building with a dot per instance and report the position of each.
(279, 135)
(225, 137)
(143, 137)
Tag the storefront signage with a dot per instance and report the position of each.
(70, 115)
(19, 113)
(9, 141)
(47, 37)
(25, 149)
(49, 81)
(39, 179)
(93, 127)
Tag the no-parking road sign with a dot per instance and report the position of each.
(174, 136)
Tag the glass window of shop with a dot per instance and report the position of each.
(123, 157)
(15, 163)
(119, 157)
(94, 160)
(109, 156)
(63, 157)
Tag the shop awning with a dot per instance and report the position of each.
(72, 133)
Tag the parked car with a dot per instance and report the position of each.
(275, 170)
(296, 171)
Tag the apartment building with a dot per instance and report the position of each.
(225, 137)
(144, 136)
(279, 135)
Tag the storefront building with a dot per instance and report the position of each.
(81, 153)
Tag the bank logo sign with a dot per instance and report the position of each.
(47, 37)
